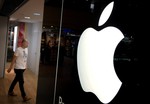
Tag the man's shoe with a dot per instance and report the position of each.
(26, 98)
(12, 94)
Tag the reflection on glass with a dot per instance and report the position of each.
(58, 81)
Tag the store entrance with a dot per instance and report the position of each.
(15, 36)
(30, 28)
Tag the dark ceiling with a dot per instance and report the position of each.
(7, 7)
(75, 4)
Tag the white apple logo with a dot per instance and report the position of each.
(95, 59)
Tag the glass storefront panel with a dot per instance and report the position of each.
(82, 67)
(48, 52)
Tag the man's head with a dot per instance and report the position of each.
(25, 43)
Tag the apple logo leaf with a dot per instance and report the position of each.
(106, 14)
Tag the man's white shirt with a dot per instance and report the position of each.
(21, 61)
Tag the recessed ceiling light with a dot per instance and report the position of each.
(27, 17)
(36, 14)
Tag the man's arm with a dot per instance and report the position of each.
(12, 63)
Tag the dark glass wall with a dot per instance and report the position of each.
(49, 50)
(64, 22)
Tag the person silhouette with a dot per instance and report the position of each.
(19, 62)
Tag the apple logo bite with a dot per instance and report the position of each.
(95, 55)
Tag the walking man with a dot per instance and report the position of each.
(19, 62)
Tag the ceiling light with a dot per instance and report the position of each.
(27, 17)
(36, 14)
